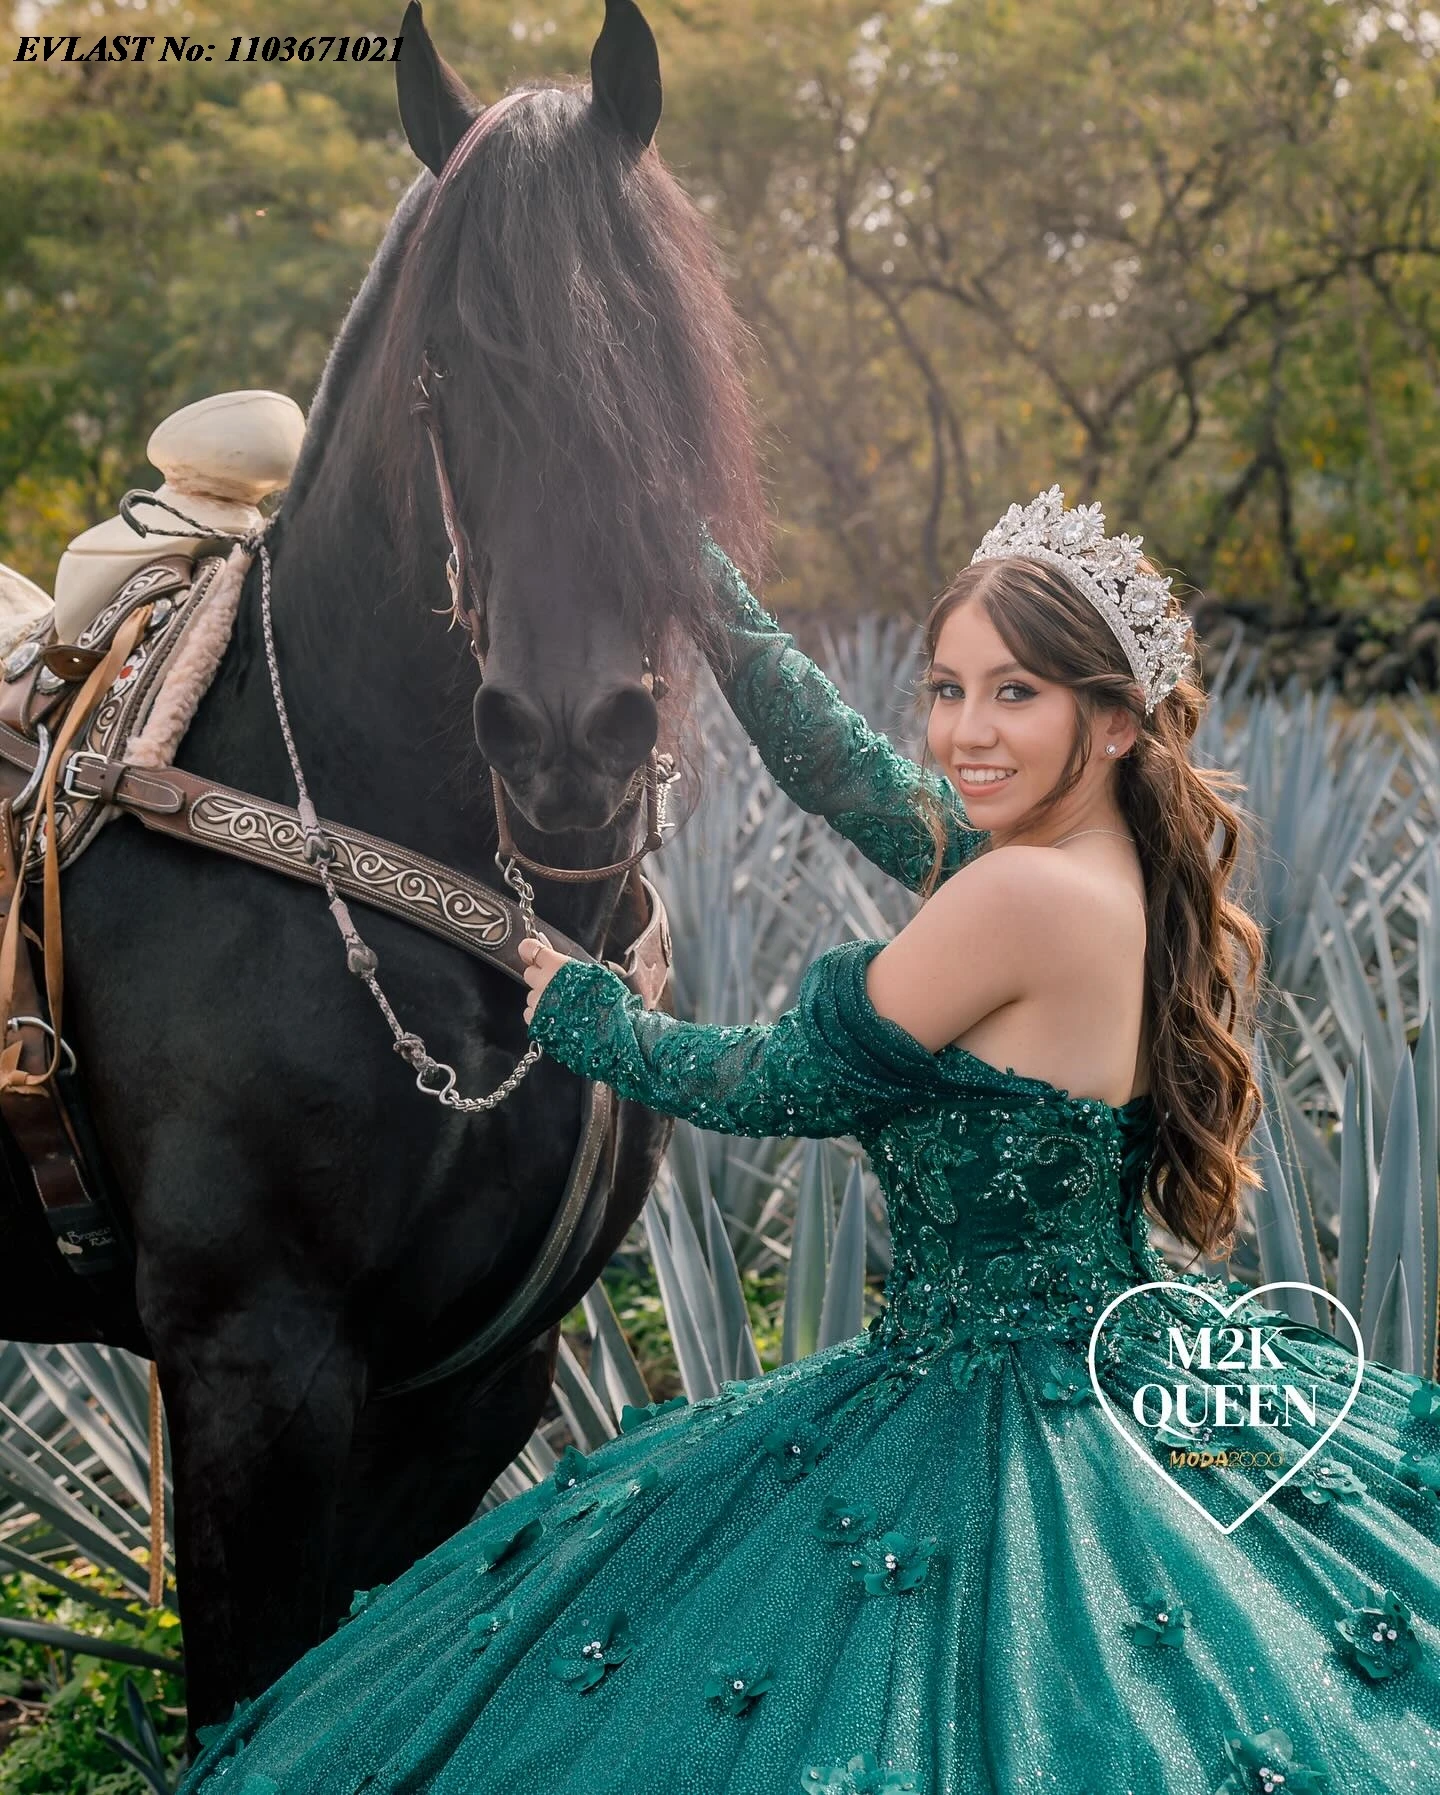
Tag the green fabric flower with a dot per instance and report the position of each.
(483, 1628)
(1265, 1764)
(1161, 1621)
(571, 1469)
(861, 1775)
(592, 1655)
(207, 1735)
(1424, 1470)
(609, 1505)
(1183, 1439)
(508, 1546)
(632, 1417)
(359, 1602)
(1425, 1398)
(894, 1562)
(1070, 1394)
(1380, 1641)
(1325, 1480)
(737, 1687)
(842, 1520)
(797, 1449)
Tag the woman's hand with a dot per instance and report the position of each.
(541, 962)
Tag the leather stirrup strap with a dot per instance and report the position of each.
(12, 1076)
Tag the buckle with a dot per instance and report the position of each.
(73, 772)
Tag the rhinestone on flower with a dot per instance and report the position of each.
(1108, 570)
(1161, 1620)
(593, 1654)
(735, 1688)
(892, 1563)
(842, 1521)
(483, 1628)
(860, 1775)
(1265, 1764)
(797, 1449)
(1379, 1641)
(1325, 1480)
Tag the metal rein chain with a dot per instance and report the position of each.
(432, 1076)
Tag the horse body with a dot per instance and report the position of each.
(308, 1225)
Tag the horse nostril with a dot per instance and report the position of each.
(509, 729)
(620, 728)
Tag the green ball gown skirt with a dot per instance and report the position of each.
(923, 1559)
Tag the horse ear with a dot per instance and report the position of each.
(436, 107)
(625, 72)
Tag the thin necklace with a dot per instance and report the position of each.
(1080, 832)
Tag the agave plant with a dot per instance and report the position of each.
(75, 1474)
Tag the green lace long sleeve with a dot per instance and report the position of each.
(821, 752)
(831, 1065)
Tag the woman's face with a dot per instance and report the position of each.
(990, 716)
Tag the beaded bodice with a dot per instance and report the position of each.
(1013, 1213)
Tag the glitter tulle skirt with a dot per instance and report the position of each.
(868, 1573)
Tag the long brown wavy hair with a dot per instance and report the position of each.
(1204, 953)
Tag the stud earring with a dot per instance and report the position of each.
(1110, 747)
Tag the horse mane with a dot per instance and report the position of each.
(352, 344)
(571, 289)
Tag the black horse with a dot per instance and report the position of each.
(308, 1225)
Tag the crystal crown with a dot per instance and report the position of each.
(1107, 569)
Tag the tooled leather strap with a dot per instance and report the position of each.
(458, 909)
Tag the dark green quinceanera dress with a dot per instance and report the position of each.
(923, 1559)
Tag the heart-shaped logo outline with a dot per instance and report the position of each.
(1155, 1465)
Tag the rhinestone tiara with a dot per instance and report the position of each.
(1107, 569)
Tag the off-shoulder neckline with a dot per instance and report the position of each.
(1137, 1107)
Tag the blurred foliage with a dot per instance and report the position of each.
(53, 1705)
(1180, 256)
(634, 1292)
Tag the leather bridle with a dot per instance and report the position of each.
(467, 607)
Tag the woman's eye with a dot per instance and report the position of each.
(940, 686)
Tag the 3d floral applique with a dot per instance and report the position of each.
(860, 1775)
(797, 1449)
(892, 1563)
(572, 1468)
(359, 1602)
(1161, 1620)
(1183, 1439)
(606, 1507)
(207, 1735)
(510, 1545)
(1424, 1397)
(735, 1688)
(1380, 1641)
(1325, 1480)
(632, 1417)
(1071, 1393)
(592, 1655)
(1265, 1764)
(1420, 1472)
(483, 1628)
(844, 1521)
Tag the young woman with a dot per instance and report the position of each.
(928, 1559)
